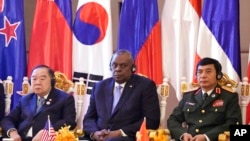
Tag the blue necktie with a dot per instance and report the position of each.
(40, 103)
(117, 95)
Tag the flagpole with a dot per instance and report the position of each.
(163, 92)
(80, 93)
(8, 91)
(49, 124)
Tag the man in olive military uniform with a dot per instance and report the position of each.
(207, 111)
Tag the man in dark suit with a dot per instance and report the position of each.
(207, 111)
(139, 99)
(27, 121)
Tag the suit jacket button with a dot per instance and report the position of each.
(197, 130)
(202, 111)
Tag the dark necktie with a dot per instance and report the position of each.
(205, 95)
(40, 103)
(117, 95)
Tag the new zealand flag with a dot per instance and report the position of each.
(12, 44)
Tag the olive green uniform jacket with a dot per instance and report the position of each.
(211, 117)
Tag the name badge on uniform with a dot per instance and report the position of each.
(190, 103)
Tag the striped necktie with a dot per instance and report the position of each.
(40, 103)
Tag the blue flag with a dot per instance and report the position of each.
(12, 44)
(140, 33)
(226, 13)
(219, 36)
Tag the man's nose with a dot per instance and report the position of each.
(203, 74)
(118, 67)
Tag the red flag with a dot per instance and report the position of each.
(143, 134)
(51, 37)
(48, 132)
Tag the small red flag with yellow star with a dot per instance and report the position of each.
(143, 134)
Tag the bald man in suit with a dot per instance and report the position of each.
(139, 99)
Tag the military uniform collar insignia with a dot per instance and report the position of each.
(197, 91)
(213, 95)
(217, 90)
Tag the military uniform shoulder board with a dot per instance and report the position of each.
(191, 90)
(228, 89)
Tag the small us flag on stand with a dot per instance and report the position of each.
(48, 132)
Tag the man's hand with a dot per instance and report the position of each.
(14, 135)
(187, 137)
(100, 135)
(115, 133)
(199, 137)
(38, 136)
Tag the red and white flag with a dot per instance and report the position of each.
(180, 25)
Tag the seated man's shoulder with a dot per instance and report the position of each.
(62, 93)
(104, 81)
(228, 89)
(143, 78)
(28, 96)
(193, 91)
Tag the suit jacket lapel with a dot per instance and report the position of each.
(33, 102)
(50, 100)
(109, 96)
(198, 97)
